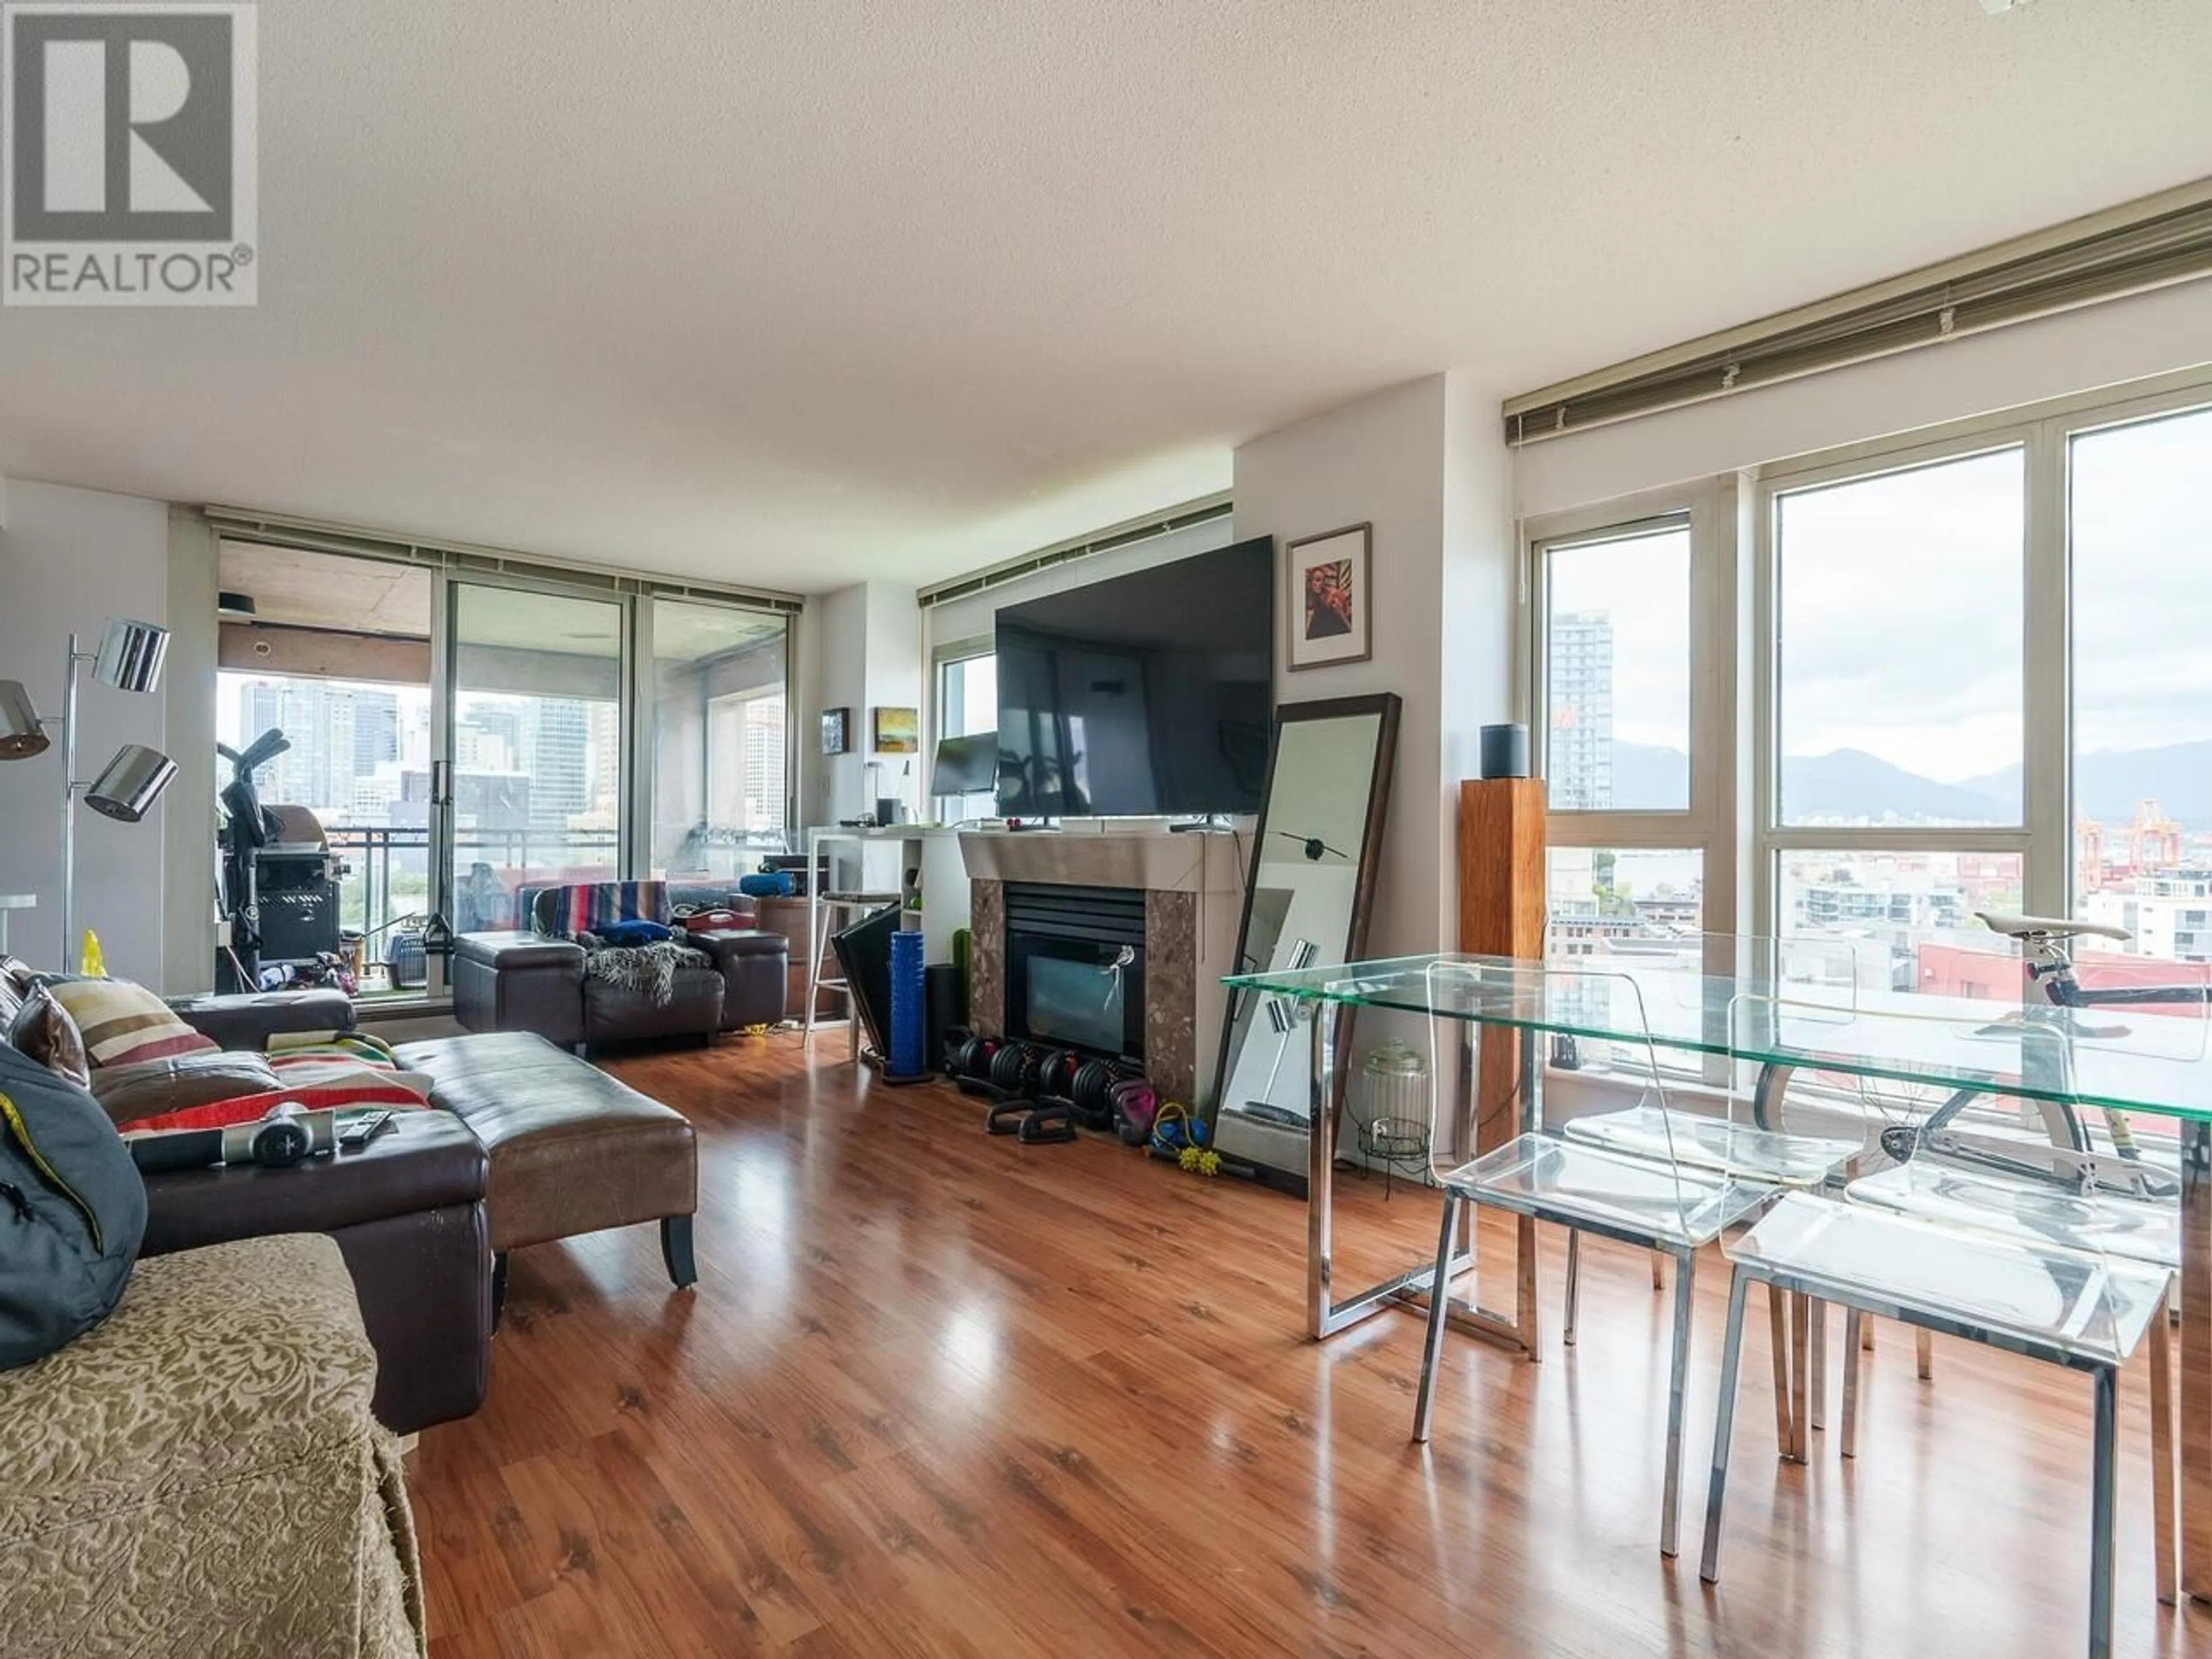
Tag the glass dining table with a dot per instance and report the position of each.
(1755, 1023)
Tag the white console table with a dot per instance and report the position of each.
(933, 851)
(9, 902)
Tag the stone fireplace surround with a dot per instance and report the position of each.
(1194, 889)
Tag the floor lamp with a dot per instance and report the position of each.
(129, 659)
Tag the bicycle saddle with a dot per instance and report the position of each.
(2048, 926)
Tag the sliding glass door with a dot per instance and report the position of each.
(532, 790)
(717, 731)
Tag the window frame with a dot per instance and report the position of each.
(942, 658)
(1734, 816)
(1772, 836)
(2044, 840)
(1707, 825)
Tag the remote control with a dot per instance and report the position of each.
(362, 1130)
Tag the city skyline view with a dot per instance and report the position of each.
(1920, 724)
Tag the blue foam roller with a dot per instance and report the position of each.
(910, 1026)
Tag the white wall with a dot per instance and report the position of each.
(2103, 345)
(69, 559)
(188, 694)
(864, 645)
(973, 616)
(1424, 465)
(895, 681)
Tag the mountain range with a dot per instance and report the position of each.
(1849, 785)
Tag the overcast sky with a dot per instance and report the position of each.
(1902, 608)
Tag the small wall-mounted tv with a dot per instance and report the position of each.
(1152, 693)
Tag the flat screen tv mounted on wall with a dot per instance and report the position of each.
(1152, 693)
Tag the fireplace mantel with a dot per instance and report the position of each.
(1194, 888)
(1144, 860)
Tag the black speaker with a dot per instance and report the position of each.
(1505, 751)
(945, 1000)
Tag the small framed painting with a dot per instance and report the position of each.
(1330, 603)
(836, 730)
(898, 731)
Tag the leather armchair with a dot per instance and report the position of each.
(520, 982)
(754, 966)
(534, 981)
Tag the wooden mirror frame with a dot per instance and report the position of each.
(1387, 705)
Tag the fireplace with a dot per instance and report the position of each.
(1052, 910)
(1075, 967)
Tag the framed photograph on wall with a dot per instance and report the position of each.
(836, 730)
(1330, 602)
(897, 731)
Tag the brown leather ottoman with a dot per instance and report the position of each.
(572, 1150)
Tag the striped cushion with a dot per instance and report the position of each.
(123, 1024)
(565, 912)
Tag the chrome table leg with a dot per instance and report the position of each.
(2101, 1554)
(1670, 1520)
(1432, 1354)
(2197, 1358)
(1817, 1364)
(1574, 1282)
(1709, 1569)
(1854, 1323)
(1801, 1390)
(2162, 1453)
(1778, 1320)
(1321, 1174)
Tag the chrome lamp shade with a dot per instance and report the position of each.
(131, 654)
(21, 736)
(128, 785)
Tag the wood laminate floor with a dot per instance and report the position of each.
(942, 1394)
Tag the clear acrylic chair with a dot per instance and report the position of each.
(1651, 1198)
(2078, 1285)
(2034, 1170)
(2064, 1307)
(1717, 1141)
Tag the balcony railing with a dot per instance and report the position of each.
(386, 875)
(386, 870)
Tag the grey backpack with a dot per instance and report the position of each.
(72, 1211)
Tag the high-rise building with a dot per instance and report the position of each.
(375, 729)
(764, 766)
(1580, 760)
(556, 740)
(318, 718)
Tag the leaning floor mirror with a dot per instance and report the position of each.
(1315, 850)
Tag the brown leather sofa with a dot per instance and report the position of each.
(528, 1143)
(534, 981)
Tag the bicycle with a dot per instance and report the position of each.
(2074, 1162)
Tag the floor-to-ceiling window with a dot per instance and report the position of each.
(1972, 679)
(720, 739)
(334, 655)
(536, 792)
(1895, 807)
(462, 738)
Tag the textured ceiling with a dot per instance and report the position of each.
(799, 294)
